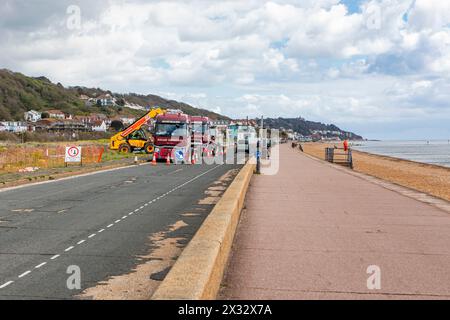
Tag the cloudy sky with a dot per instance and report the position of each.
(380, 68)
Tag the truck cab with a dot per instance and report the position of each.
(172, 136)
(201, 136)
(244, 136)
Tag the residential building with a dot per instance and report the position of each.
(88, 120)
(56, 114)
(88, 101)
(59, 125)
(32, 116)
(106, 100)
(99, 126)
(127, 120)
(15, 126)
(2, 127)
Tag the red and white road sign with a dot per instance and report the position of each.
(73, 154)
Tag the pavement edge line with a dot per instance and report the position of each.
(198, 272)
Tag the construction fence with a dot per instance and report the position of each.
(24, 158)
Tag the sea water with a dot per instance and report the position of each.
(433, 151)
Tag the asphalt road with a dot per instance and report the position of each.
(100, 223)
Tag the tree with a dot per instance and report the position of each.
(121, 102)
(45, 115)
(117, 125)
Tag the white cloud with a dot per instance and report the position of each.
(280, 58)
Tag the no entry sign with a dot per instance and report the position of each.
(73, 154)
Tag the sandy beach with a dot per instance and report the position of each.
(431, 179)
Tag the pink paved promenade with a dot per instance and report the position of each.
(311, 232)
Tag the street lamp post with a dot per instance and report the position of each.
(259, 149)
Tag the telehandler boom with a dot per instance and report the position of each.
(134, 137)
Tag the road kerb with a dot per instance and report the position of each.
(199, 270)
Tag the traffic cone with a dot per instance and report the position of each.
(154, 159)
(168, 160)
(193, 157)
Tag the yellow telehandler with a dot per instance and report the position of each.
(134, 137)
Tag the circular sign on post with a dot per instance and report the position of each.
(73, 154)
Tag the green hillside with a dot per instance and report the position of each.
(306, 128)
(19, 93)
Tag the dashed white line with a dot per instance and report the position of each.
(110, 225)
(25, 273)
(6, 284)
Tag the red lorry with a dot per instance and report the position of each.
(201, 137)
(172, 137)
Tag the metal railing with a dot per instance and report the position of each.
(339, 156)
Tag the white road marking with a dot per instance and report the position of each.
(68, 178)
(117, 221)
(109, 226)
(25, 273)
(124, 217)
(6, 284)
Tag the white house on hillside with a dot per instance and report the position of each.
(15, 126)
(56, 114)
(99, 126)
(127, 120)
(106, 100)
(32, 116)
